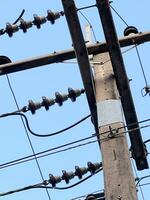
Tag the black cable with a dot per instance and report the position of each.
(19, 190)
(28, 137)
(44, 135)
(2, 31)
(21, 160)
(39, 155)
(22, 13)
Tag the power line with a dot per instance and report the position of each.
(44, 135)
(47, 152)
(119, 15)
(89, 24)
(28, 137)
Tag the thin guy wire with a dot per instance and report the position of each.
(89, 24)
(32, 148)
(119, 15)
(141, 64)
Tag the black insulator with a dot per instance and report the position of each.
(130, 30)
(80, 171)
(53, 180)
(25, 25)
(67, 176)
(73, 94)
(11, 28)
(33, 106)
(50, 16)
(60, 98)
(93, 167)
(47, 102)
(38, 21)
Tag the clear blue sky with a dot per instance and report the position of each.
(45, 81)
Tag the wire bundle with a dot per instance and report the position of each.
(10, 29)
(46, 102)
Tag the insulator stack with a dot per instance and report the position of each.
(79, 172)
(38, 21)
(59, 99)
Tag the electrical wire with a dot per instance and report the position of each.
(36, 186)
(28, 137)
(86, 7)
(39, 155)
(94, 35)
(137, 51)
(142, 178)
(44, 135)
(141, 64)
(20, 16)
(119, 15)
(48, 152)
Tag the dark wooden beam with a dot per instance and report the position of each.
(81, 55)
(69, 54)
(137, 146)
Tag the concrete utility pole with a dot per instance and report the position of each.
(118, 176)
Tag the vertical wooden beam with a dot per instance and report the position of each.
(81, 55)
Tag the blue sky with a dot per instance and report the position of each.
(45, 81)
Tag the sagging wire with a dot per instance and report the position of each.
(48, 152)
(93, 168)
(43, 135)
